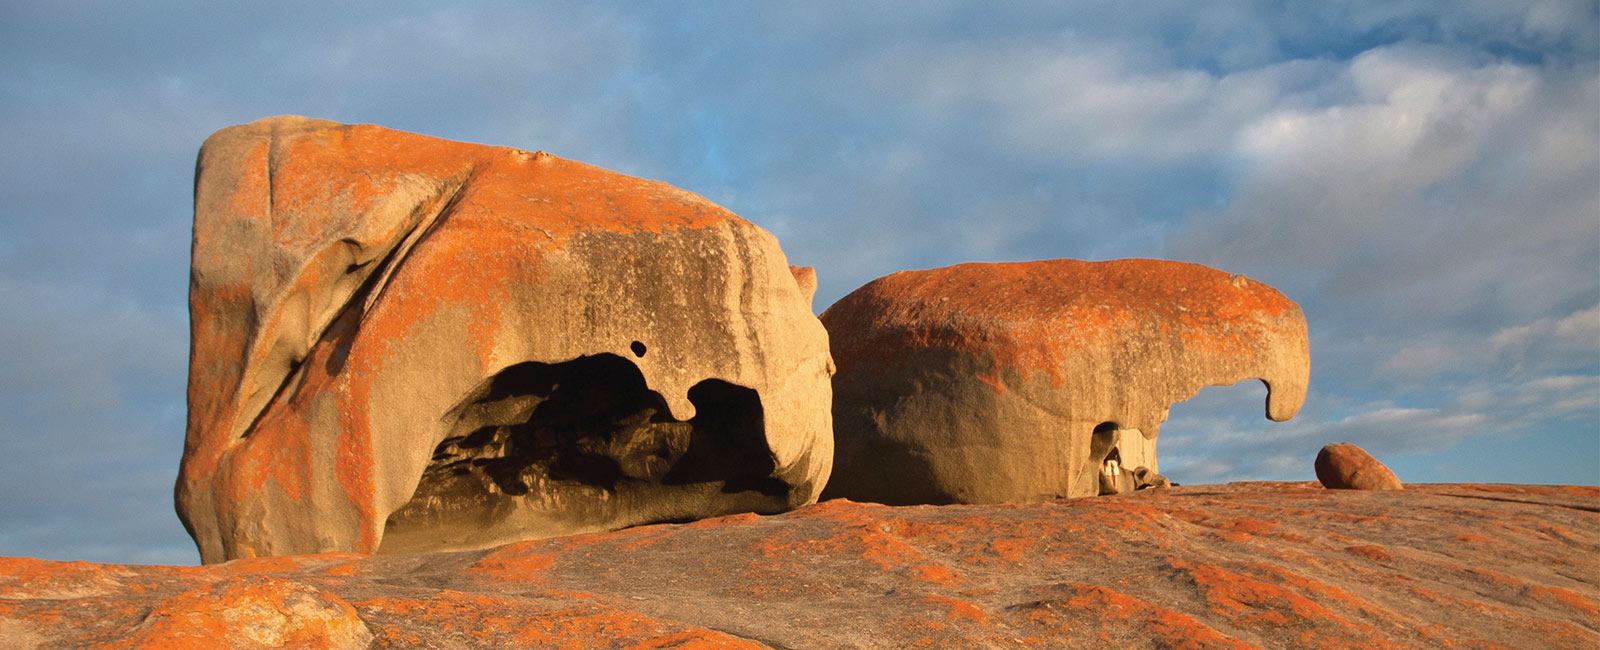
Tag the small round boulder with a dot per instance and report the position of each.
(1343, 466)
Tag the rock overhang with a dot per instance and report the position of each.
(1041, 319)
(995, 382)
(352, 284)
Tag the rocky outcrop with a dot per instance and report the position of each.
(251, 612)
(982, 383)
(402, 343)
(1269, 565)
(1343, 466)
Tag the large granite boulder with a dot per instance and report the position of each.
(402, 343)
(982, 383)
(1343, 466)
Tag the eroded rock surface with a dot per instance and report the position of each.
(982, 383)
(1271, 565)
(1343, 466)
(246, 612)
(402, 343)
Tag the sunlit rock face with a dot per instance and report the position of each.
(402, 343)
(1343, 466)
(983, 383)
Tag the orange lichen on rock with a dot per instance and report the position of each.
(372, 310)
(870, 541)
(30, 578)
(1566, 598)
(983, 383)
(1371, 552)
(1035, 317)
(959, 609)
(1113, 571)
(1244, 599)
(1253, 603)
(517, 561)
(250, 612)
(932, 573)
(455, 619)
(1118, 617)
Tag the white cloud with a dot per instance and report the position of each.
(1083, 97)
(1551, 344)
(1551, 18)
(1420, 361)
(1285, 451)
(1218, 437)
(1580, 330)
(1325, 180)
(1417, 118)
(1446, 200)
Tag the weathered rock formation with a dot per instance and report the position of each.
(981, 383)
(1211, 566)
(1343, 466)
(251, 611)
(402, 343)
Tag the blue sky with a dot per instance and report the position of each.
(1424, 178)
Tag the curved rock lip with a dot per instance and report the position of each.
(1023, 381)
(402, 343)
(1211, 566)
(1034, 316)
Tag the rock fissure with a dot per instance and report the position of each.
(368, 289)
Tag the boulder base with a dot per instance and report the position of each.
(1269, 565)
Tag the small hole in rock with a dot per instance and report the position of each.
(638, 349)
(1104, 468)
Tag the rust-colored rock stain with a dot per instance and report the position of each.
(1249, 565)
(1050, 310)
(1024, 381)
(351, 284)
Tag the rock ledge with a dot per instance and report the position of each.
(1226, 566)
